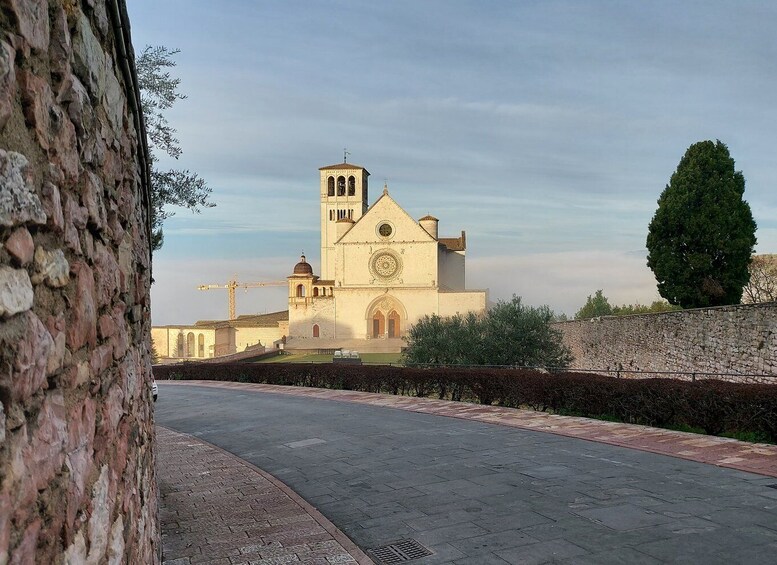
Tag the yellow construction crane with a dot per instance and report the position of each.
(233, 284)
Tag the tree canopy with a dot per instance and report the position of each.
(173, 187)
(596, 305)
(762, 286)
(702, 235)
(599, 305)
(507, 334)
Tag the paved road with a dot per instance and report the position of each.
(481, 493)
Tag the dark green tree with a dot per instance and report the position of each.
(702, 235)
(596, 305)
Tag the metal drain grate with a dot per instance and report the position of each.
(399, 552)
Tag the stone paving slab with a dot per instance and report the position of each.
(221, 510)
(756, 458)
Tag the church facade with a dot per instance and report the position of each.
(381, 270)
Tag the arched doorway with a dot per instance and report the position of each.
(393, 324)
(316, 330)
(386, 317)
(378, 324)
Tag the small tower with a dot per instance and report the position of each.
(344, 194)
(430, 223)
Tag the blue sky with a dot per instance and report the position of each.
(546, 130)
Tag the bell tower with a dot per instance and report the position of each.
(343, 195)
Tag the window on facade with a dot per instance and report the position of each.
(393, 324)
(331, 214)
(350, 213)
(351, 186)
(323, 291)
(330, 189)
(200, 345)
(315, 330)
(340, 186)
(300, 291)
(315, 291)
(190, 344)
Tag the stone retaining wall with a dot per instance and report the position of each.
(77, 480)
(730, 339)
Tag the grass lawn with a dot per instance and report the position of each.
(371, 358)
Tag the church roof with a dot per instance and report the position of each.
(246, 320)
(345, 220)
(454, 243)
(343, 166)
(428, 217)
(261, 320)
(303, 267)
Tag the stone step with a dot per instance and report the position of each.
(298, 345)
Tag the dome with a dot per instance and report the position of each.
(303, 267)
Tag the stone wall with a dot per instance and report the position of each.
(729, 339)
(77, 480)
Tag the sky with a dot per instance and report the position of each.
(547, 130)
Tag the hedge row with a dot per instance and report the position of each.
(715, 407)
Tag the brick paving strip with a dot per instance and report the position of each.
(218, 509)
(759, 458)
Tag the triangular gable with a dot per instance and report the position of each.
(385, 208)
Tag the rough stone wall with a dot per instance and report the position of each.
(77, 480)
(729, 339)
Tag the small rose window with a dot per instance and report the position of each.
(385, 230)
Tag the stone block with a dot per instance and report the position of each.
(24, 552)
(52, 206)
(63, 144)
(82, 329)
(33, 22)
(89, 60)
(92, 198)
(100, 359)
(107, 274)
(26, 344)
(5, 525)
(37, 101)
(60, 46)
(99, 521)
(7, 82)
(106, 327)
(51, 267)
(16, 294)
(18, 202)
(21, 246)
(45, 453)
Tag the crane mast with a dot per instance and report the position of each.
(234, 284)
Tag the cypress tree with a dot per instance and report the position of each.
(702, 235)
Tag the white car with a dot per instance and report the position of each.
(154, 389)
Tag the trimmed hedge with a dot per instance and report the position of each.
(716, 407)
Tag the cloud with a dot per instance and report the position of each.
(564, 280)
